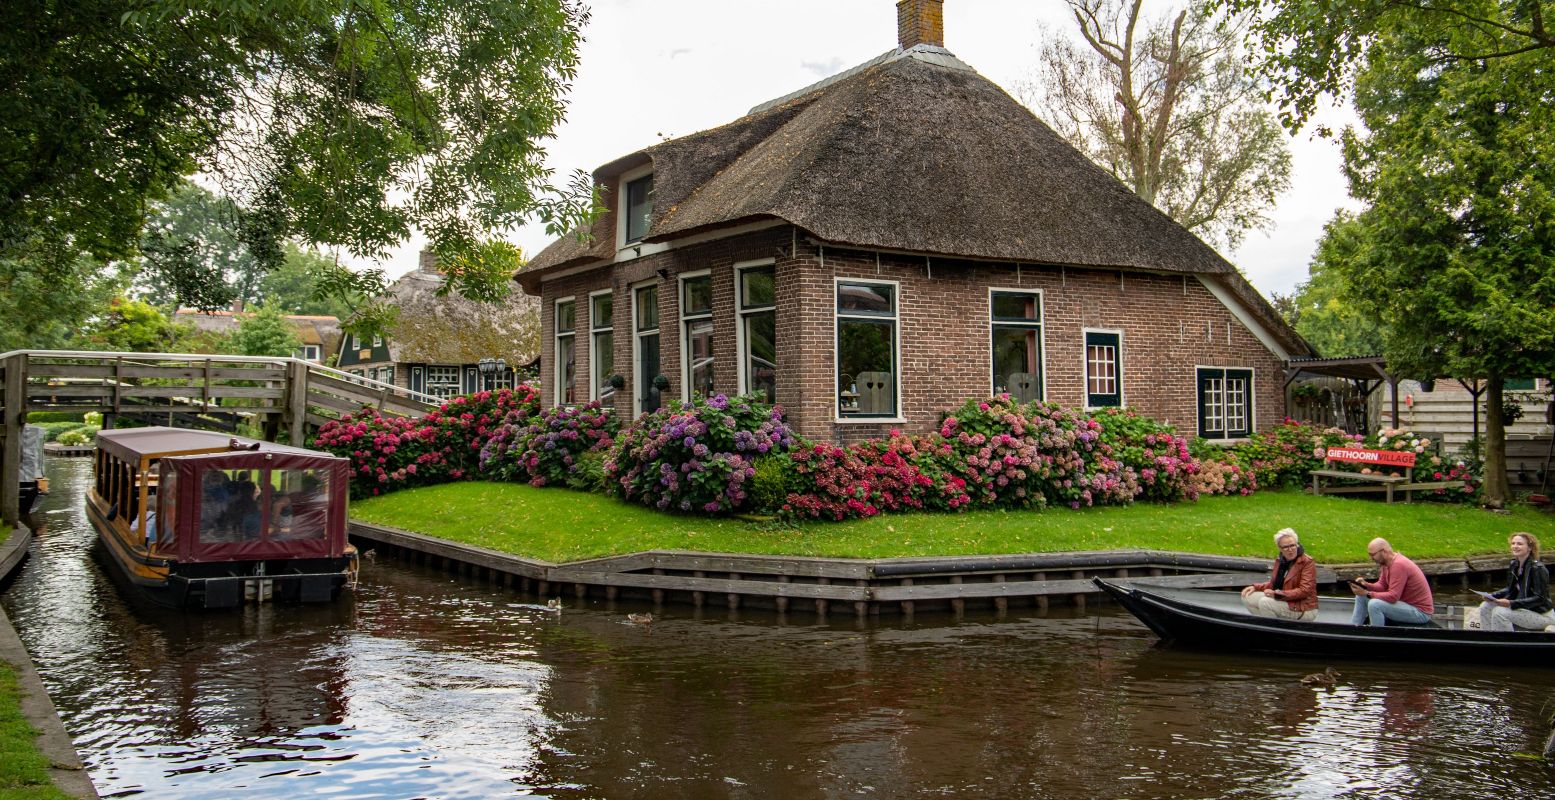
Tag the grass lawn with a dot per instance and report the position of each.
(23, 770)
(561, 525)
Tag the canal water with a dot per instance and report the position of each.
(420, 686)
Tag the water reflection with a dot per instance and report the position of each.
(421, 686)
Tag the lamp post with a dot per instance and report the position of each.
(491, 369)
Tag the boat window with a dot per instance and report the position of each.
(162, 523)
(230, 508)
(299, 504)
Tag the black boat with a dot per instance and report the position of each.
(1218, 620)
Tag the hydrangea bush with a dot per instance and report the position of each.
(1037, 454)
(895, 474)
(1222, 478)
(1154, 451)
(1428, 465)
(390, 453)
(547, 448)
(697, 455)
(1283, 455)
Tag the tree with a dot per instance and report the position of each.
(1311, 50)
(46, 297)
(130, 326)
(1167, 108)
(343, 125)
(265, 333)
(294, 285)
(1456, 248)
(192, 255)
(1323, 309)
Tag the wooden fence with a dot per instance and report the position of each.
(183, 390)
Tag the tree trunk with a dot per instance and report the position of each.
(1495, 487)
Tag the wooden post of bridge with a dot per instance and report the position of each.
(296, 414)
(15, 418)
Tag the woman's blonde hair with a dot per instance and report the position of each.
(1533, 543)
(1284, 532)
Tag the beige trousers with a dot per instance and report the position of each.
(1261, 605)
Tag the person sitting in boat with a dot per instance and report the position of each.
(1400, 594)
(283, 514)
(213, 500)
(1525, 602)
(240, 518)
(1291, 591)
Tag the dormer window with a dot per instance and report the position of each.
(639, 207)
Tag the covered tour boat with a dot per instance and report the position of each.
(1218, 620)
(206, 520)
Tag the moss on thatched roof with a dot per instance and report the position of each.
(454, 330)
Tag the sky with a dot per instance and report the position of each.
(668, 68)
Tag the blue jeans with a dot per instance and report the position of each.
(1380, 611)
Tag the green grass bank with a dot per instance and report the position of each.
(560, 525)
(24, 771)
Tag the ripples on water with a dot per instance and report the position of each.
(421, 686)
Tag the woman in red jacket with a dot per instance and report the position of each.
(1291, 591)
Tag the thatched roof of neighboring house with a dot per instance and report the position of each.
(912, 151)
(320, 330)
(455, 330)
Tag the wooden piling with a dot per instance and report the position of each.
(1001, 604)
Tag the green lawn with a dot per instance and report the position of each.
(560, 525)
(23, 770)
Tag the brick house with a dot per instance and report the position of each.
(437, 343)
(878, 247)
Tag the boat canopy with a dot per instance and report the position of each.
(133, 444)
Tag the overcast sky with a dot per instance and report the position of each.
(668, 68)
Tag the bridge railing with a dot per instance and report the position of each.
(185, 389)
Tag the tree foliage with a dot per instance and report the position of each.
(1166, 106)
(192, 256)
(336, 124)
(1311, 50)
(1323, 309)
(130, 326)
(294, 285)
(1456, 248)
(46, 297)
(265, 332)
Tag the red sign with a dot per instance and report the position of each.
(1382, 458)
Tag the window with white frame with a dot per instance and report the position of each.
(443, 382)
(308, 352)
(602, 355)
(757, 298)
(866, 349)
(566, 352)
(377, 341)
(696, 341)
(1225, 402)
(645, 348)
(1103, 369)
(638, 208)
(385, 375)
(1016, 335)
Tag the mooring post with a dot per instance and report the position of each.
(1079, 598)
(697, 598)
(1041, 598)
(820, 602)
(734, 598)
(15, 418)
(657, 594)
(907, 605)
(782, 600)
(1001, 604)
(957, 604)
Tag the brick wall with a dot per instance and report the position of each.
(1170, 325)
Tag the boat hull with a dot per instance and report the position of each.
(218, 584)
(1178, 620)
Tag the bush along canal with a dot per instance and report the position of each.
(423, 684)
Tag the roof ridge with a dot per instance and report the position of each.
(928, 53)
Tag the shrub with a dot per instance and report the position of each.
(53, 430)
(41, 417)
(698, 456)
(1033, 455)
(895, 474)
(1283, 455)
(77, 437)
(464, 424)
(1221, 477)
(588, 474)
(1154, 451)
(544, 449)
(770, 483)
(1467, 467)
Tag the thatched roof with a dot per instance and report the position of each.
(454, 330)
(913, 151)
(311, 329)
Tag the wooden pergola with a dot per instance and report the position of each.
(1366, 373)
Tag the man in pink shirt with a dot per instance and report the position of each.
(1400, 592)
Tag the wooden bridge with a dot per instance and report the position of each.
(213, 392)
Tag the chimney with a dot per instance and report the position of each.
(920, 22)
(427, 262)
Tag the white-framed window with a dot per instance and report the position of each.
(635, 205)
(384, 375)
(308, 352)
(1225, 402)
(566, 370)
(868, 379)
(377, 341)
(696, 335)
(602, 340)
(1103, 368)
(356, 342)
(1015, 337)
(756, 304)
(442, 381)
(645, 347)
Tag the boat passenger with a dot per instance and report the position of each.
(1291, 591)
(1400, 593)
(1525, 602)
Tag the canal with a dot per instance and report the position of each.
(419, 685)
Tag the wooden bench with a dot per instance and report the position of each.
(1386, 459)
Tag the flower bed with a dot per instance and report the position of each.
(547, 448)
